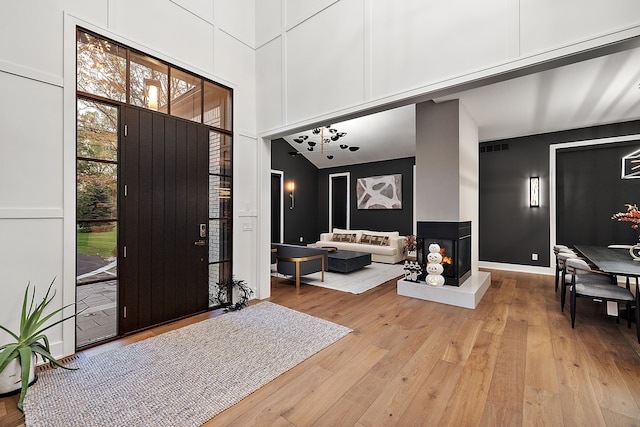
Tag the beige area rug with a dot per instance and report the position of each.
(356, 282)
(183, 377)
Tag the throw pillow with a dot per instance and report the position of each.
(379, 240)
(366, 239)
(343, 237)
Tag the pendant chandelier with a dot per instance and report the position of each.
(326, 138)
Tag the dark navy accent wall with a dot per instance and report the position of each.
(302, 220)
(509, 230)
(589, 190)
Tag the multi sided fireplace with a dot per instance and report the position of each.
(454, 239)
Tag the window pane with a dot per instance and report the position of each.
(97, 318)
(219, 273)
(219, 153)
(219, 240)
(97, 130)
(219, 197)
(217, 106)
(186, 95)
(96, 190)
(96, 251)
(149, 79)
(101, 67)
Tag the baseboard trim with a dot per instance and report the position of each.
(549, 271)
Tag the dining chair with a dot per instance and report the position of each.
(564, 280)
(557, 250)
(597, 286)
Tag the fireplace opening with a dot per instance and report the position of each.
(454, 239)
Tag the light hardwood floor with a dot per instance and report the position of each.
(514, 361)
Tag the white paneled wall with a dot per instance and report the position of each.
(167, 28)
(231, 17)
(31, 31)
(325, 62)
(241, 68)
(37, 185)
(202, 9)
(31, 144)
(548, 23)
(30, 251)
(427, 42)
(268, 20)
(245, 214)
(340, 57)
(269, 90)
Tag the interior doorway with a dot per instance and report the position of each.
(339, 201)
(277, 206)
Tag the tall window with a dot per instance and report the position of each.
(110, 74)
(97, 220)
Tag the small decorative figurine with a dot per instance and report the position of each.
(434, 266)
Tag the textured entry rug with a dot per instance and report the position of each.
(183, 377)
(356, 282)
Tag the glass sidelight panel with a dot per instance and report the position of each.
(96, 251)
(97, 320)
(97, 136)
(219, 196)
(96, 191)
(96, 216)
(219, 153)
(219, 240)
(217, 106)
(219, 275)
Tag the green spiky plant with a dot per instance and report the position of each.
(31, 339)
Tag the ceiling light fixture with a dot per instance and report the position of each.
(318, 133)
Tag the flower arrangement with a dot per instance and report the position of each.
(631, 215)
(411, 243)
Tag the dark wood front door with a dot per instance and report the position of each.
(163, 250)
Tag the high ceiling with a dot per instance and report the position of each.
(597, 91)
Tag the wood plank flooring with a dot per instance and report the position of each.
(514, 361)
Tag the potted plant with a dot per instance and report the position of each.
(243, 290)
(410, 247)
(18, 359)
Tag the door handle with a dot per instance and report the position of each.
(200, 243)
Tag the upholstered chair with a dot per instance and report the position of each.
(597, 286)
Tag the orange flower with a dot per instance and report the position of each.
(631, 215)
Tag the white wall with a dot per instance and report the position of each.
(469, 173)
(37, 125)
(341, 56)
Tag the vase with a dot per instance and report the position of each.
(11, 376)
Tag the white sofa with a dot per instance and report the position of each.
(384, 246)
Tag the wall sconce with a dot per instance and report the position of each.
(291, 186)
(153, 93)
(534, 192)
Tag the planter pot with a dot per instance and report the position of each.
(10, 378)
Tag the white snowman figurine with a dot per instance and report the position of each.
(434, 266)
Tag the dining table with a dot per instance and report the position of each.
(613, 260)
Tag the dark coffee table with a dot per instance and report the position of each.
(347, 261)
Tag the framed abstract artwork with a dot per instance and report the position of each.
(379, 192)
